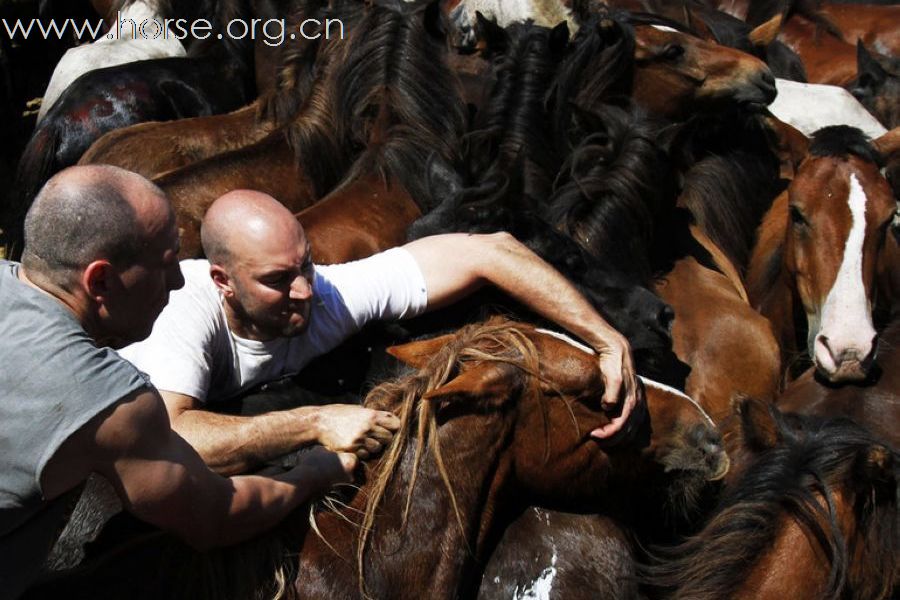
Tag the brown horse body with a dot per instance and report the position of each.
(878, 27)
(827, 58)
(359, 219)
(157, 147)
(730, 348)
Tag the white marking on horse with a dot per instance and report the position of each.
(664, 28)
(846, 315)
(541, 587)
(811, 106)
(646, 381)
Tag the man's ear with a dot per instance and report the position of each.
(97, 280)
(222, 280)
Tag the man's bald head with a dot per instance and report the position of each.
(87, 213)
(243, 223)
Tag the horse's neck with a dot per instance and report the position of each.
(768, 283)
(432, 553)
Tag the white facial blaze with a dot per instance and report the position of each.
(846, 318)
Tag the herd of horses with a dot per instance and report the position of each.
(753, 267)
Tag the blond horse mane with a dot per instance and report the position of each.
(497, 340)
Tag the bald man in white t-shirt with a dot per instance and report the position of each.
(259, 309)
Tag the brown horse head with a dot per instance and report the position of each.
(550, 388)
(677, 74)
(839, 210)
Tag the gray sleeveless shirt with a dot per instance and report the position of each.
(53, 380)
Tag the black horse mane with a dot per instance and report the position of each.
(841, 141)
(760, 11)
(396, 96)
(613, 188)
(511, 129)
(731, 177)
(813, 459)
(599, 66)
(303, 60)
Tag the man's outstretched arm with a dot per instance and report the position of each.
(235, 444)
(163, 481)
(503, 261)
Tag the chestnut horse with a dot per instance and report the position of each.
(809, 511)
(497, 417)
(816, 254)
(666, 72)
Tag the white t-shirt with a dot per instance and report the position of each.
(192, 351)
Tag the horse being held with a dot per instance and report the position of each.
(498, 416)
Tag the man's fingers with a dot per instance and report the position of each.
(388, 420)
(372, 445)
(382, 435)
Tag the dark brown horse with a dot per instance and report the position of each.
(497, 416)
(809, 511)
(612, 198)
(816, 255)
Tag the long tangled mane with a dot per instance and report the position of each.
(613, 187)
(599, 66)
(731, 177)
(497, 340)
(511, 137)
(397, 98)
(817, 459)
(303, 62)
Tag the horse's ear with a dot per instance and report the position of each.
(486, 380)
(559, 37)
(765, 34)
(416, 354)
(875, 467)
(888, 145)
(433, 20)
(760, 431)
(869, 72)
(490, 37)
(789, 145)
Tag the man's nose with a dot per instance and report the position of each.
(301, 289)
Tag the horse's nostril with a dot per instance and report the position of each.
(665, 317)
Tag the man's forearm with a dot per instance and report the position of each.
(235, 444)
(259, 503)
(536, 284)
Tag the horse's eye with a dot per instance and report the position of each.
(672, 51)
(797, 217)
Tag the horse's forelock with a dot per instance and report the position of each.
(497, 340)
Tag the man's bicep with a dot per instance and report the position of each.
(158, 476)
